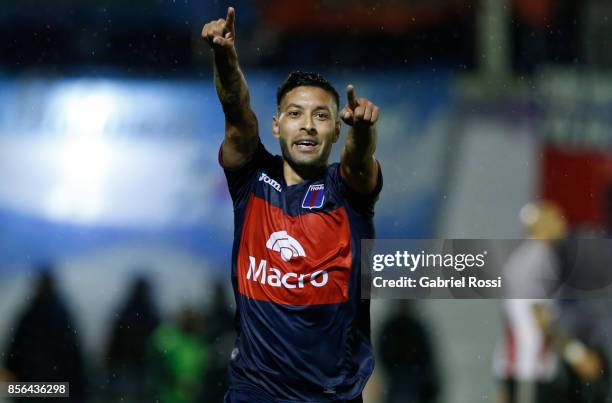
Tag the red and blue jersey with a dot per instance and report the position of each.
(303, 330)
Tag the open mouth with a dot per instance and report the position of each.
(306, 145)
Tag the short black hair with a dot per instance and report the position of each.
(301, 78)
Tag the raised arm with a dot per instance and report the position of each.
(358, 165)
(241, 130)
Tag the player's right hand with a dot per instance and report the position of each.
(221, 34)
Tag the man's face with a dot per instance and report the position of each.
(307, 125)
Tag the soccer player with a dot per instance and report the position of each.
(303, 331)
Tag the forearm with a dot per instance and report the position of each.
(358, 165)
(231, 85)
(241, 128)
(359, 148)
(240, 121)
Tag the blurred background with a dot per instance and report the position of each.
(115, 220)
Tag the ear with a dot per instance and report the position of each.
(337, 131)
(275, 128)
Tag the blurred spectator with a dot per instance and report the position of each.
(219, 317)
(125, 358)
(586, 323)
(582, 336)
(406, 356)
(220, 336)
(541, 360)
(587, 256)
(178, 357)
(526, 362)
(45, 344)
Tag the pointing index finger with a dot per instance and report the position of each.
(350, 95)
(229, 20)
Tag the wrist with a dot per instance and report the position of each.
(225, 57)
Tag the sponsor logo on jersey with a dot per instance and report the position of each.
(294, 260)
(272, 276)
(288, 248)
(315, 196)
(266, 179)
(286, 245)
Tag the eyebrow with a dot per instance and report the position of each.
(292, 105)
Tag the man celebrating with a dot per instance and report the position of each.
(303, 331)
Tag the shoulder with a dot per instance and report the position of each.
(241, 178)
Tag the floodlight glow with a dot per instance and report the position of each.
(84, 158)
(88, 114)
(84, 163)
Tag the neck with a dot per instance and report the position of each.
(297, 174)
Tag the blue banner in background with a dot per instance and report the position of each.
(88, 163)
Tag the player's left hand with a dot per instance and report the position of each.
(358, 111)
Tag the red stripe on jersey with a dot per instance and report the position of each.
(312, 196)
(302, 260)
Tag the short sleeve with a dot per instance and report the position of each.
(362, 203)
(240, 179)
